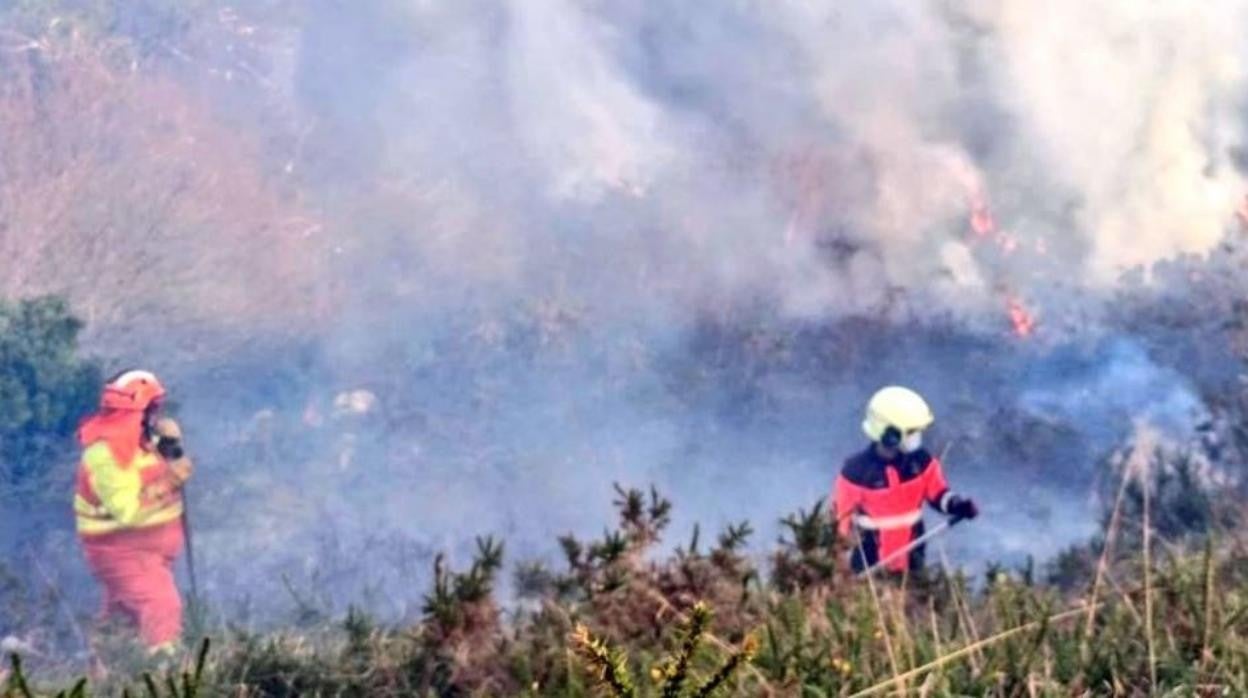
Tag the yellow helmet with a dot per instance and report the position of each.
(896, 408)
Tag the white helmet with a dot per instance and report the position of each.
(895, 413)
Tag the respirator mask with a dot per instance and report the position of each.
(911, 442)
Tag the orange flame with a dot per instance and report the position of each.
(982, 222)
(984, 226)
(1022, 319)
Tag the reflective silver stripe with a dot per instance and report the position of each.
(99, 513)
(94, 511)
(944, 501)
(888, 523)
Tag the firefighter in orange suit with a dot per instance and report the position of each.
(128, 506)
(880, 492)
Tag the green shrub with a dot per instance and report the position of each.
(1178, 631)
(45, 389)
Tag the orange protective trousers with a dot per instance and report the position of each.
(135, 568)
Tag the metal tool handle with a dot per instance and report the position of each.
(939, 530)
(190, 545)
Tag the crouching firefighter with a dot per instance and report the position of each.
(879, 495)
(128, 506)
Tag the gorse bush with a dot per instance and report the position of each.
(619, 620)
(672, 676)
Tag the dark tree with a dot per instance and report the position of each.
(45, 388)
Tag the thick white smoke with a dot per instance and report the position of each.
(1135, 110)
(819, 154)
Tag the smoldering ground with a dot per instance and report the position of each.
(524, 442)
(571, 243)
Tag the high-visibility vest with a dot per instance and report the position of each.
(112, 496)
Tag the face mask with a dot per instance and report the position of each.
(912, 442)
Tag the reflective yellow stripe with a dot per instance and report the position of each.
(91, 526)
(888, 523)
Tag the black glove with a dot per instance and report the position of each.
(962, 508)
(168, 438)
(170, 448)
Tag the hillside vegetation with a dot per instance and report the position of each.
(615, 619)
(125, 189)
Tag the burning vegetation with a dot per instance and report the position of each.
(418, 321)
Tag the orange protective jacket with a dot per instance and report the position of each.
(128, 510)
(883, 501)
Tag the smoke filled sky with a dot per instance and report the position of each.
(671, 155)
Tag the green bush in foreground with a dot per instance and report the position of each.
(618, 620)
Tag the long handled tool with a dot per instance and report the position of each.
(190, 546)
(937, 531)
